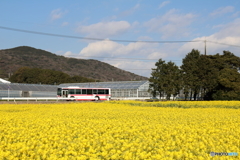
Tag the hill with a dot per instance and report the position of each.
(13, 59)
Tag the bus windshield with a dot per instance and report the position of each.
(59, 91)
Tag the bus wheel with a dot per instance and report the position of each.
(97, 98)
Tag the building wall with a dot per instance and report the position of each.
(124, 93)
(13, 93)
(10, 93)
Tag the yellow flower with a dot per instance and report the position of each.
(119, 130)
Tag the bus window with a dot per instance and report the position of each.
(89, 91)
(106, 91)
(72, 91)
(95, 91)
(84, 91)
(100, 91)
(78, 91)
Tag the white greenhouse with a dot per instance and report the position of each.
(27, 90)
(119, 89)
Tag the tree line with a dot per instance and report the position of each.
(200, 77)
(45, 76)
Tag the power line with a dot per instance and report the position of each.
(224, 44)
(101, 39)
(79, 56)
(112, 57)
(89, 38)
(116, 40)
(137, 69)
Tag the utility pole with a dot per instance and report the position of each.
(205, 46)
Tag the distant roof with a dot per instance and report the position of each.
(4, 81)
(28, 87)
(112, 85)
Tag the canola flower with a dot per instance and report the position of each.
(119, 130)
(185, 104)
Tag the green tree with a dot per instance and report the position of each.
(45, 76)
(173, 80)
(79, 79)
(165, 80)
(157, 78)
(229, 85)
(207, 75)
(48, 76)
(190, 72)
(228, 77)
(25, 75)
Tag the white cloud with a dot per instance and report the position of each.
(172, 24)
(222, 10)
(145, 38)
(130, 11)
(57, 14)
(135, 66)
(228, 34)
(218, 26)
(136, 6)
(163, 4)
(156, 55)
(68, 54)
(101, 48)
(137, 52)
(236, 14)
(104, 29)
(65, 23)
(110, 48)
(230, 29)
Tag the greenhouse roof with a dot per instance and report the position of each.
(28, 87)
(4, 81)
(51, 88)
(112, 85)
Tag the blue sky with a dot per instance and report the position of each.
(131, 21)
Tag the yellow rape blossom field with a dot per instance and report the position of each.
(118, 130)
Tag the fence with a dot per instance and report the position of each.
(35, 99)
(61, 99)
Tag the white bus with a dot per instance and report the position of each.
(86, 94)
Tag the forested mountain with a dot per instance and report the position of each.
(13, 59)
